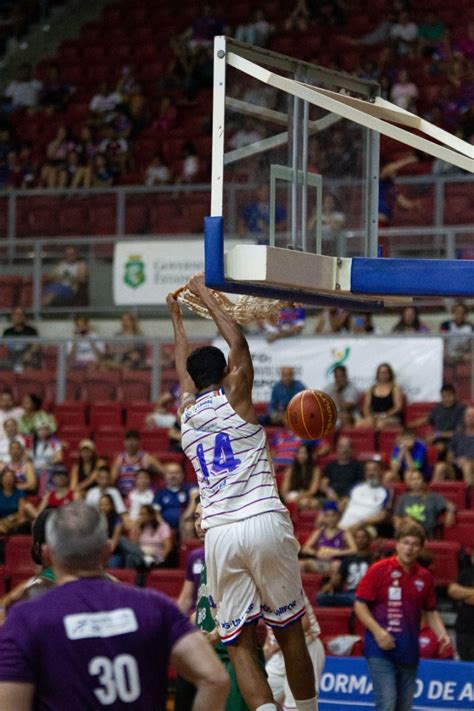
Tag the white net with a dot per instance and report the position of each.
(245, 310)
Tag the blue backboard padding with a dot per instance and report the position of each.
(412, 277)
(215, 277)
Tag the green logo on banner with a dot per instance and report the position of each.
(341, 357)
(134, 274)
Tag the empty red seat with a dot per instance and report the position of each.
(108, 444)
(42, 221)
(136, 219)
(416, 410)
(166, 581)
(186, 547)
(154, 440)
(387, 440)
(334, 620)
(463, 530)
(136, 385)
(70, 413)
(362, 438)
(311, 585)
(31, 382)
(9, 291)
(445, 566)
(18, 555)
(74, 220)
(103, 219)
(124, 575)
(136, 414)
(99, 388)
(72, 435)
(455, 491)
(106, 420)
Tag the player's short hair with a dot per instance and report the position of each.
(76, 535)
(206, 366)
(411, 528)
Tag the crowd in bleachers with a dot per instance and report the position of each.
(128, 100)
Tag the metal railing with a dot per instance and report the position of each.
(52, 363)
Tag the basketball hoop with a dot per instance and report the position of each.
(245, 310)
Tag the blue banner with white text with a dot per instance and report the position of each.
(441, 686)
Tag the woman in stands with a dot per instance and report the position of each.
(301, 480)
(33, 413)
(47, 451)
(114, 528)
(83, 473)
(21, 468)
(327, 543)
(11, 503)
(129, 354)
(410, 322)
(383, 403)
(153, 535)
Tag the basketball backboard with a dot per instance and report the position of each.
(295, 162)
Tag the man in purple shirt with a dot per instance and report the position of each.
(188, 595)
(92, 644)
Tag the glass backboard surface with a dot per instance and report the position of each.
(294, 175)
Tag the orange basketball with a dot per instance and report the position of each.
(311, 414)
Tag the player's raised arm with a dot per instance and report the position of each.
(239, 355)
(181, 346)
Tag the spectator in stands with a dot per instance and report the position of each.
(46, 452)
(153, 536)
(332, 218)
(21, 467)
(410, 322)
(301, 480)
(458, 343)
(8, 409)
(114, 530)
(345, 395)
(333, 320)
(290, 323)
(322, 551)
(86, 351)
(10, 434)
(61, 494)
(389, 196)
(404, 92)
(32, 413)
(21, 355)
(166, 406)
(102, 174)
(54, 94)
(137, 108)
(341, 587)
(11, 503)
(282, 392)
(84, 471)
(342, 474)
(75, 173)
(157, 172)
(430, 32)
(130, 354)
(409, 454)
(462, 447)
(104, 486)
(256, 31)
(363, 323)
(299, 18)
(204, 28)
(446, 417)
(190, 164)
(67, 281)
(255, 216)
(369, 503)
(115, 150)
(463, 593)
(166, 116)
(24, 91)
(383, 403)
(141, 495)
(130, 461)
(422, 505)
(104, 103)
(56, 154)
(177, 500)
(404, 34)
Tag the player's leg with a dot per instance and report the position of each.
(253, 684)
(298, 665)
(318, 658)
(384, 681)
(406, 686)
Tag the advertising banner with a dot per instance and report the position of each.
(417, 362)
(441, 686)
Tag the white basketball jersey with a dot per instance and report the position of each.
(233, 469)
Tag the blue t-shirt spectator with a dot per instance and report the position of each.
(9, 504)
(172, 502)
(282, 394)
(419, 455)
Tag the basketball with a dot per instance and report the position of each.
(311, 414)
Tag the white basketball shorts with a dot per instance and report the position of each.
(252, 572)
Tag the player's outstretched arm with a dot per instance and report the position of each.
(239, 355)
(196, 661)
(16, 695)
(181, 347)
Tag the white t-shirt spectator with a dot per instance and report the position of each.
(157, 174)
(94, 494)
(103, 103)
(16, 413)
(365, 501)
(136, 499)
(85, 354)
(24, 94)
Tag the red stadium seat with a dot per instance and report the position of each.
(124, 575)
(100, 387)
(415, 410)
(74, 220)
(455, 491)
(387, 440)
(103, 219)
(32, 381)
(18, 555)
(9, 291)
(71, 413)
(311, 585)
(136, 413)
(108, 444)
(187, 546)
(462, 531)
(155, 439)
(362, 438)
(72, 435)
(166, 581)
(334, 620)
(136, 385)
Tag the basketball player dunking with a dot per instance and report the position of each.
(251, 552)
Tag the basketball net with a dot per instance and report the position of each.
(243, 311)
